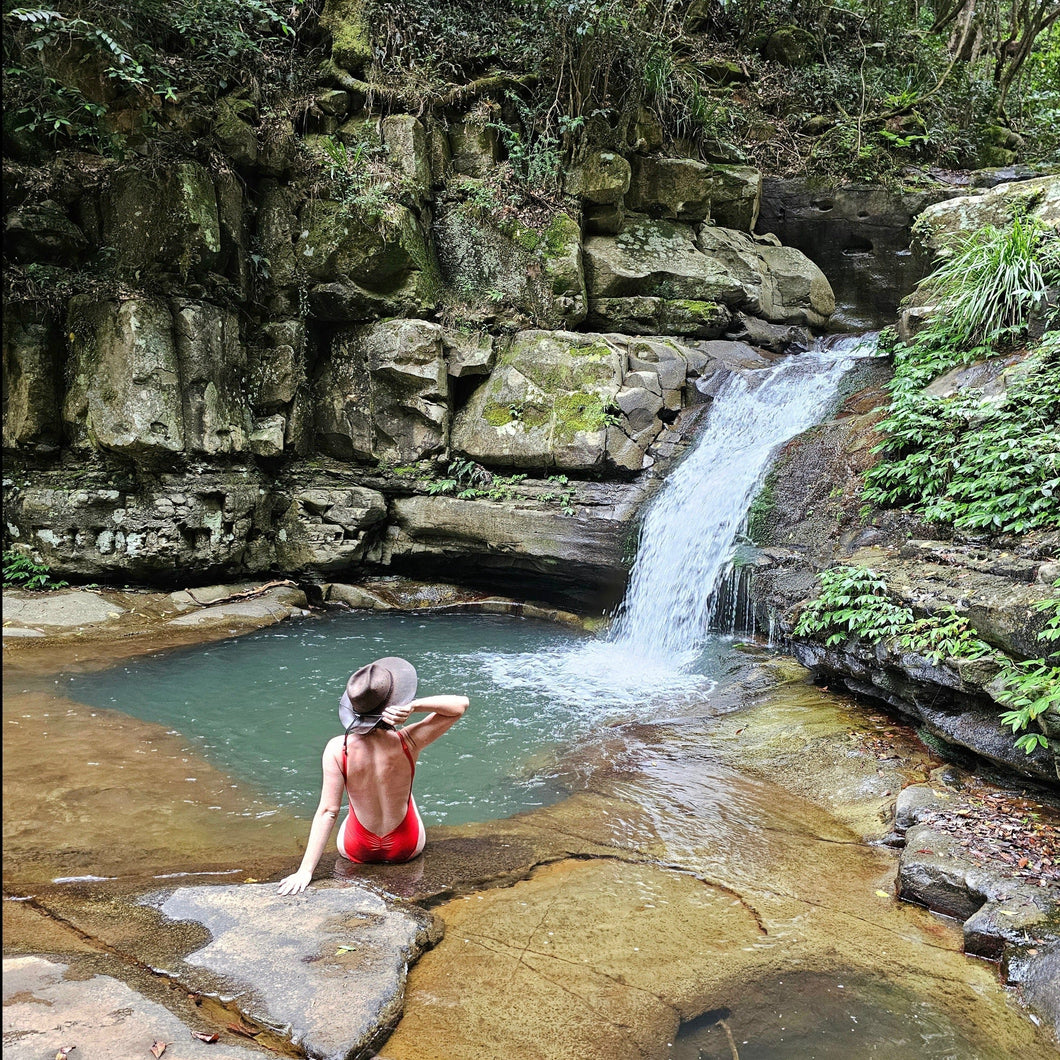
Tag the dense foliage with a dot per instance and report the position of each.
(23, 572)
(979, 459)
(855, 602)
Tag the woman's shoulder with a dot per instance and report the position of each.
(334, 746)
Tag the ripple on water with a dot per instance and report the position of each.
(262, 706)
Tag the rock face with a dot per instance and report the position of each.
(859, 236)
(343, 342)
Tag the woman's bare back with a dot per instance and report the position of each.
(378, 778)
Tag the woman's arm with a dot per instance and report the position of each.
(442, 714)
(323, 822)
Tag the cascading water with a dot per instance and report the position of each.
(658, 650)
(689, 531)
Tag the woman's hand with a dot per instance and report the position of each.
(397, 714)
(296, 882)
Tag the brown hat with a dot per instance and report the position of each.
(373, 688)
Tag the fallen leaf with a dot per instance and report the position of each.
(195, 999)
(238, 1028)
(64, 1051)
(924, 850)
(159, 1048)
(250, 879)
(1007, 912)
(204, 1037)
(1022, 863)
(882, 894)
(345, 949)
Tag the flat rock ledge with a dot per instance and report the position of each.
(325, 971)
(1006, 918)
(101, 1017)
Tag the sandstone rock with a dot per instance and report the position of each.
(388, 256)
(237, 138)
(405, 140)
(267, 435)
(383, 394)
(212, 363)
(547, 403)
(643, 315)
(352, 950)
(31, 379)
(43, 233)
(264, 609)
(941, 226)
(473, 149)
(686, 190)
(53, 1007)
(468, 353)
(329, 528)
(537, 273)
(277, 365)
(167, 222)
(125, 392)
(530, 545)
(602, 178)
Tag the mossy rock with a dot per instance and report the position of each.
(351, 38)
(791, 46)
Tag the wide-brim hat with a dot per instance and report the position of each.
(370, 690)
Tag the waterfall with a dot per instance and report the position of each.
(658, 651)
(689, 531)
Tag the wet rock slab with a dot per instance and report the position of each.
(325, 969)
(103, 1018)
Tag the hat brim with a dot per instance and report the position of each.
(356, 724)
(403, 691)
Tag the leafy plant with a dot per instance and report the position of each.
(945, 635)
(1031, 688)
(24, 572)
(853, 602)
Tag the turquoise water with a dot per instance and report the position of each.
(262, 706)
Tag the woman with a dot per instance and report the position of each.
(375, 764)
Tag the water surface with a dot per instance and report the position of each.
(262, 706)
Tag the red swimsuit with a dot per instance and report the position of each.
(400, 844)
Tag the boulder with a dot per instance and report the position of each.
(351, 38)
(352, 952)
(944, 225)
(536, 272)
(277, 365)
(168, 221)
(348, 248)
(666, 259)
(468, 352)
(405, 140)
(383, 394)
(236, 136)
(601, 178)
(125, 392)
(687, 190)
(547, 404)
(791, 46)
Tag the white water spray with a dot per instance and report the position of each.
(689, 531)
(654, 652)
